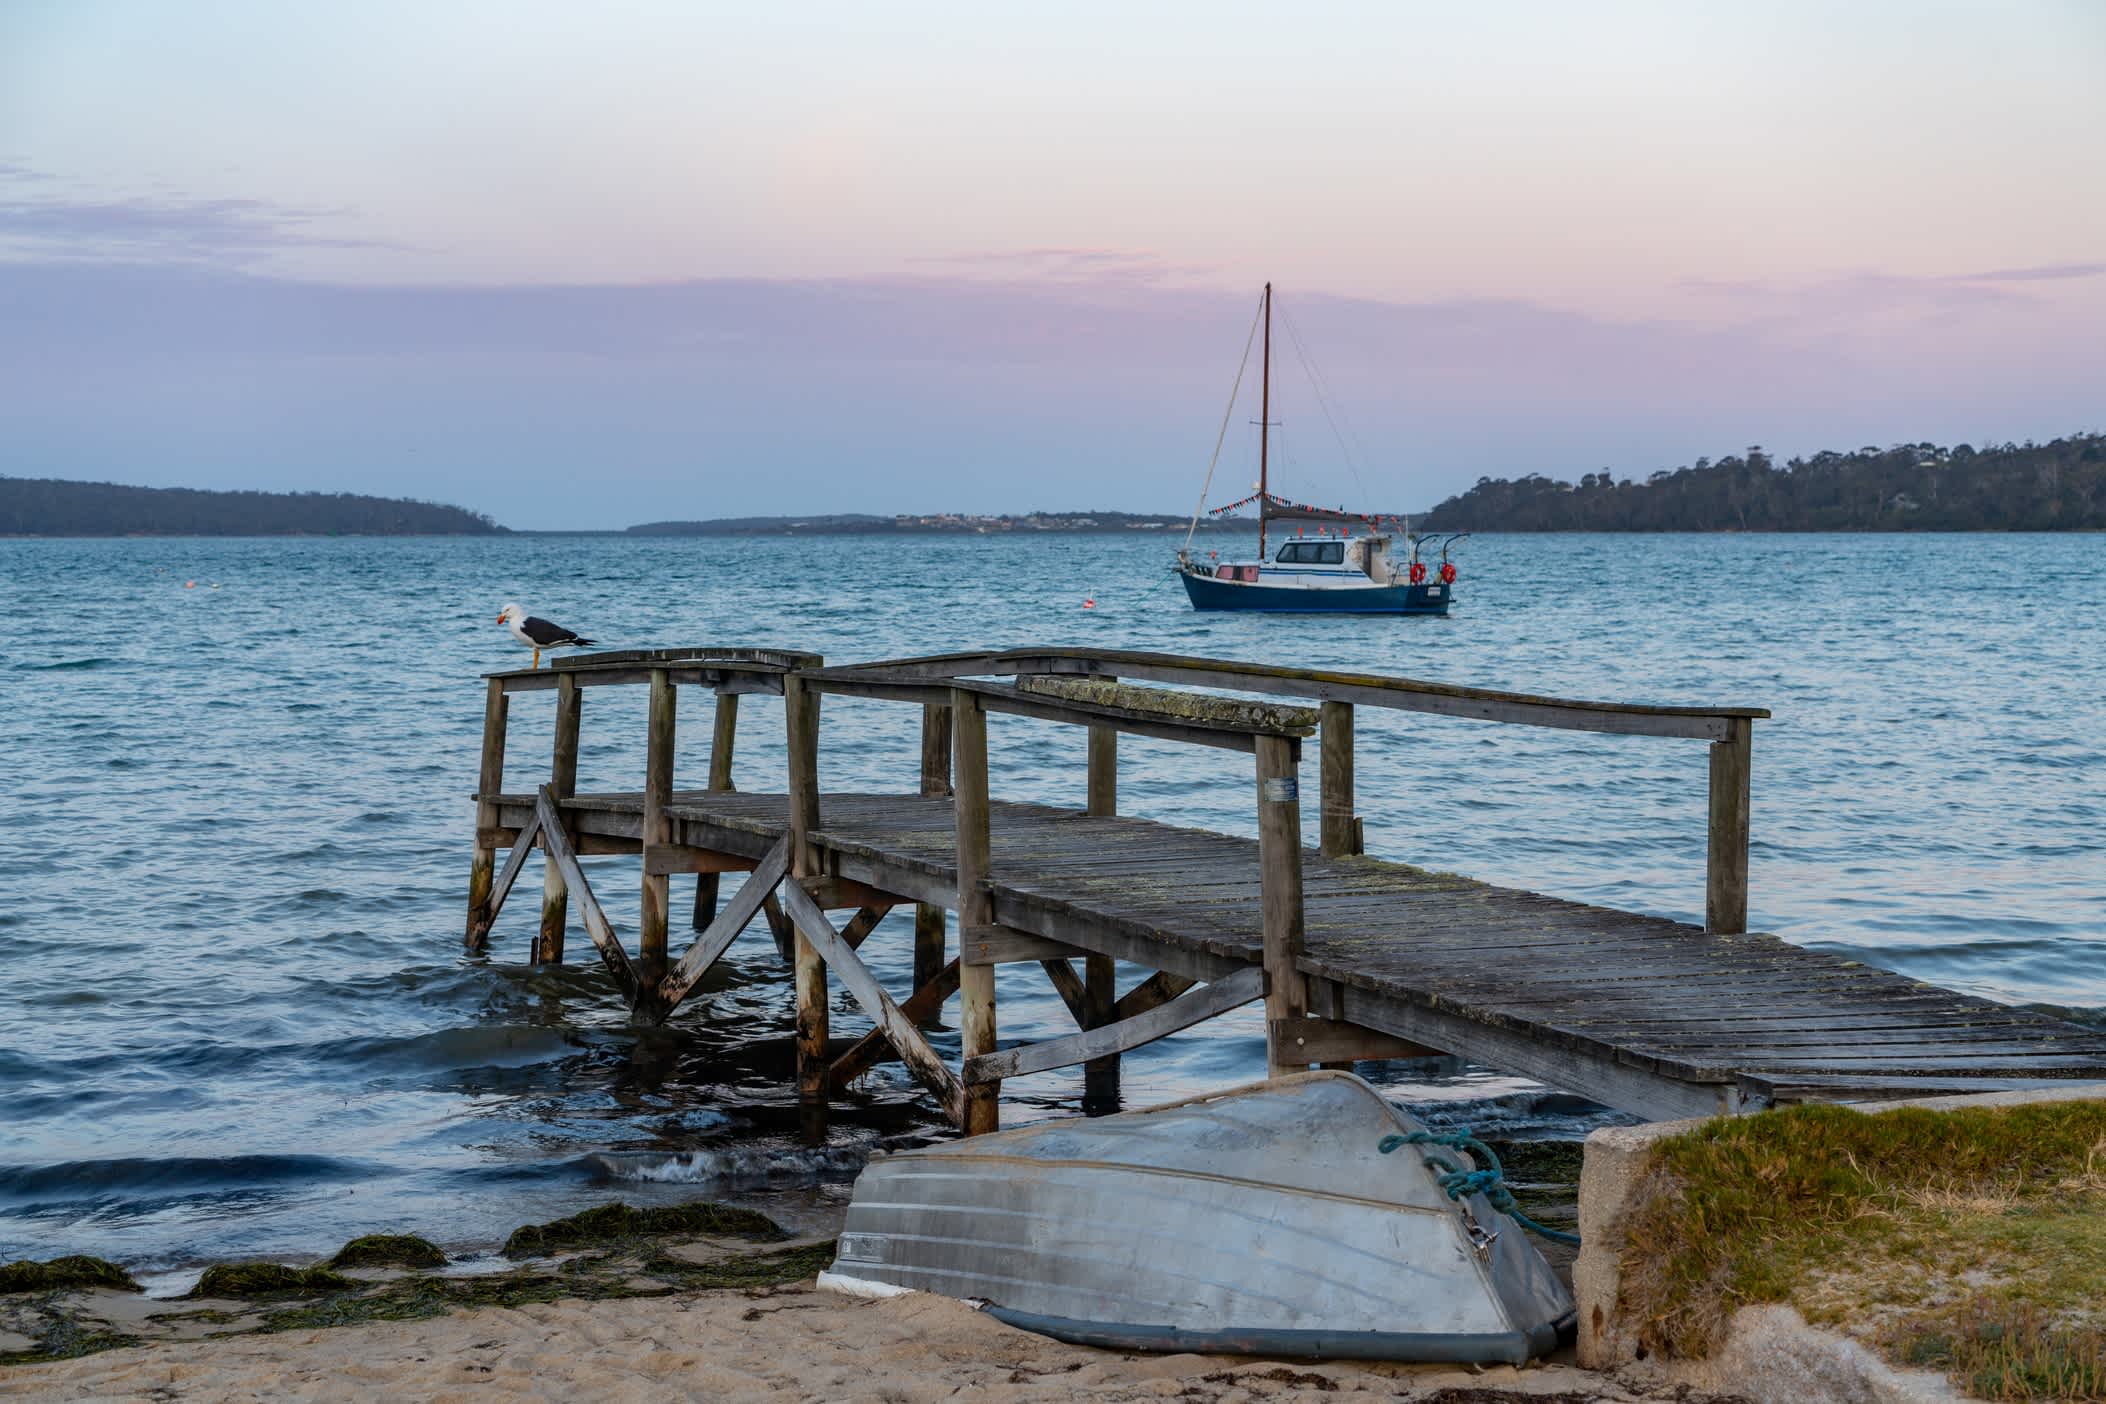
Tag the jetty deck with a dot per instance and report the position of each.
(1356, 957)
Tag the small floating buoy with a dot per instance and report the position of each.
(189, 584)
(1090, 603)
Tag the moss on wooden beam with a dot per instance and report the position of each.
(1183, 706)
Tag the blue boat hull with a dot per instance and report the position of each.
(1209, 593)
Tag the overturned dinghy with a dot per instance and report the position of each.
(1259, 1221)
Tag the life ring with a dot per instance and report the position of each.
(1447, 572)
(1418, 572)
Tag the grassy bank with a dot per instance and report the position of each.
(1970, 1240)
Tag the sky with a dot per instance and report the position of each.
(594, 265)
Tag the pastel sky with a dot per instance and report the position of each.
(591, 265)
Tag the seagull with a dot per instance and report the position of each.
(538, 634)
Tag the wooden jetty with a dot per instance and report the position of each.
(1355, 957)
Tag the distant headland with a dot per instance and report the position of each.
(961, 523)
(2055, 486)
(55, 507)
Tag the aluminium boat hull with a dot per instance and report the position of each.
(1257, 1221)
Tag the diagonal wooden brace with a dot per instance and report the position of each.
(899, 1030)
(1220, 997)
(873, 1048)
(722, 931)
(485, 916)
(555, 839)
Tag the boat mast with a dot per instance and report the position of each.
(1264, 426)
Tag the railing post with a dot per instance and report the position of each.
(654, 918)
(563, 783)
(929, 921)
(723, 733)
(976, 983)
(482, 870)
(1280, 876)
(1100, 1076)
(1338, 828)
(800, 708)
(1726, 866)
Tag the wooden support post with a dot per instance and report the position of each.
(1280, 875)
(482, 871)
(654, 917)
(1726, 871)
(976, 983)
(800, 708)
(1338, 830)
(929, 919)
(708, 886)
(563, 782)
(1100, 1076)
(935, 749)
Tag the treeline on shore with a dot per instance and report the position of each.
(2055, 486)
(56, 507)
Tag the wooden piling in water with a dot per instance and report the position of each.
(654, 918)
(801, 723)
(563, 783)
(724, 728)
(976, 983)
(930, 923)
(490, 782)
(1280, 881)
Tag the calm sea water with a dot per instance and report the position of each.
(234, 842)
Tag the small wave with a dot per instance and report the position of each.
(731, 1168)
(144, 1177)
(69, 665)
(485, 1046)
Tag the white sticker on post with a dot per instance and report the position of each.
(1282, 789)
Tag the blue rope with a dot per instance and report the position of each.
(1460, 1183)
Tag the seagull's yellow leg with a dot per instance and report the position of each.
(537, 659)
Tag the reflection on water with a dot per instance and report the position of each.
(234, 845)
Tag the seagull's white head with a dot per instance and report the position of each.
(510, 614)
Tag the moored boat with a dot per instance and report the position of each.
(1262, 1220)
(1347, 568)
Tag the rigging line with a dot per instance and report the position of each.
(1221, 437)
(1316, 382)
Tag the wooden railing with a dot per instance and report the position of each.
(1730, 730)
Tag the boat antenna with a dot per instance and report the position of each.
(1265, 426)
(1222, 437)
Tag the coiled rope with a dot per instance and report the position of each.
(1460, 1183)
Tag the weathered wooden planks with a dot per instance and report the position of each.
(1649, 1015)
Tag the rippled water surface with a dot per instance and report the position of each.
(234, 842)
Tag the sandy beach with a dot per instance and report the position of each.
(791, 1342)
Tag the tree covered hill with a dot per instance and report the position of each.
(55, 507)
(2056, 486)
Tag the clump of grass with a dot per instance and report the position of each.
(619, 1223)
(2012, 1353)
(1976, 1230)
(63, 1274)
(389, 1250)
(266, 1280)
